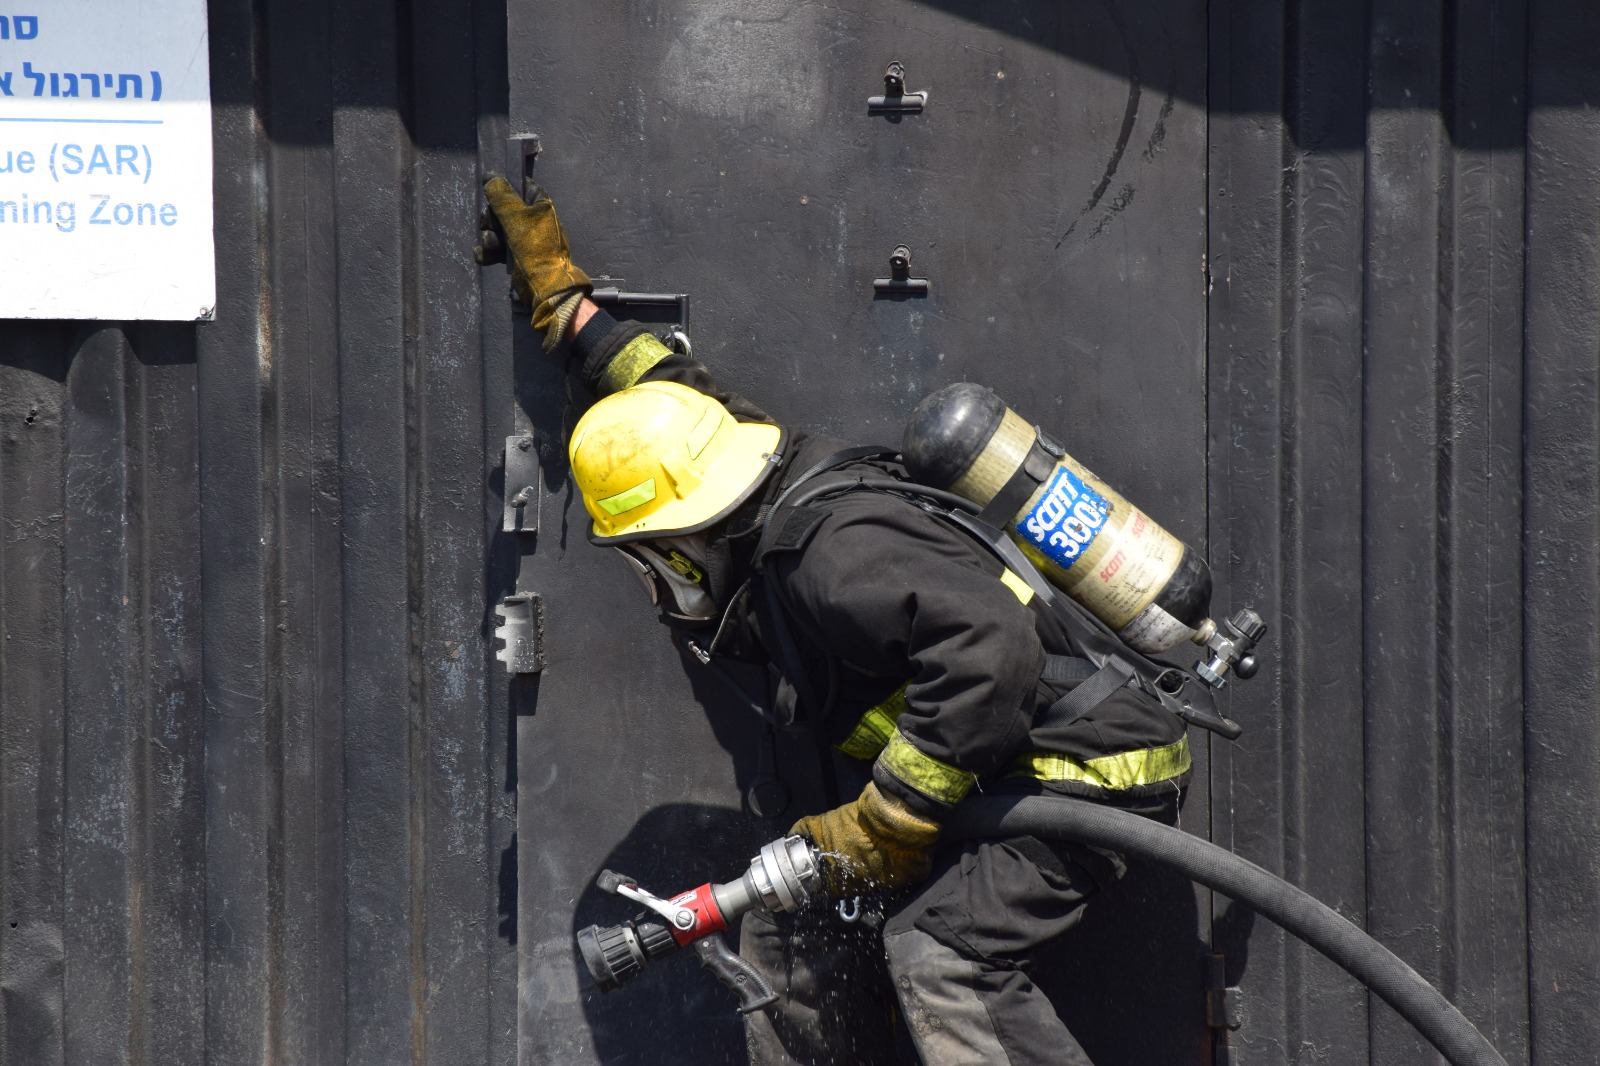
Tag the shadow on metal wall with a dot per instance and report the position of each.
(1319, 47)
(48, 348)
(1121, 953)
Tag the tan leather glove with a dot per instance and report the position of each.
(874, 841)
(541, 267)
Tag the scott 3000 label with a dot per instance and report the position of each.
(1065, 521)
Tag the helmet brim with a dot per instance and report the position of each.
(744, 469)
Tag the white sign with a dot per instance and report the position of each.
(105, 160)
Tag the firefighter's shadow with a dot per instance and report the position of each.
(1128, 981)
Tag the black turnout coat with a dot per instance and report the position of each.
(882, 596)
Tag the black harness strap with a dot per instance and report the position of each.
(828, 462)
(1029, 475)
(1066, 668)
(1101, 645)
(1091, 693)
(1094, 685)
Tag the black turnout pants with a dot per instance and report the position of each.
(950, 964)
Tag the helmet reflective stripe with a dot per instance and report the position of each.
(627, 500)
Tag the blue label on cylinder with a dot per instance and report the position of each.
(1065, 521)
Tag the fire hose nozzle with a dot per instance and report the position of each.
(616, 953)
(785, 875)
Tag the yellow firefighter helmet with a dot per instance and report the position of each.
(661, 459)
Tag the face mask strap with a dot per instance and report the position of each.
(679, 596)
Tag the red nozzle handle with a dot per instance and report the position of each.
(708, 916)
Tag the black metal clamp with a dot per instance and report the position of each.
(900, 282)
(895, 100)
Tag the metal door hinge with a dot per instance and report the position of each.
(524, 492)
(895, 100)
(1223, 1001)
(520, 629)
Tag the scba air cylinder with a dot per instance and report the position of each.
(1111, 557)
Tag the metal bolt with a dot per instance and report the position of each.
(900, 263)
(894, 80)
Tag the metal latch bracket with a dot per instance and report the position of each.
(1223, 1001)
(524, 491)
(609, 293)
(520, 630)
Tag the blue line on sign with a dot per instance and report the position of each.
(96, 121)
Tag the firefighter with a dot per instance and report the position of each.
(913, 650)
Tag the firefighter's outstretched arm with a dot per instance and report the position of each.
(541, 265)
(609, 356)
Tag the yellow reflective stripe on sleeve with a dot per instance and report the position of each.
(923, 772)
(633, 362)
(1129, 769)
(1019, 588)
(869, 736)
(875, 728)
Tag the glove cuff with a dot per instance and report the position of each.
(890, 785)
(555, 314)
(887, 815)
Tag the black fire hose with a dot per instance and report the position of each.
(1374, 965)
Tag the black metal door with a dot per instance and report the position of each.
(1053, 193)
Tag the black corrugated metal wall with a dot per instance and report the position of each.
(256, 779)
(253, 799)
(1404, 438)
